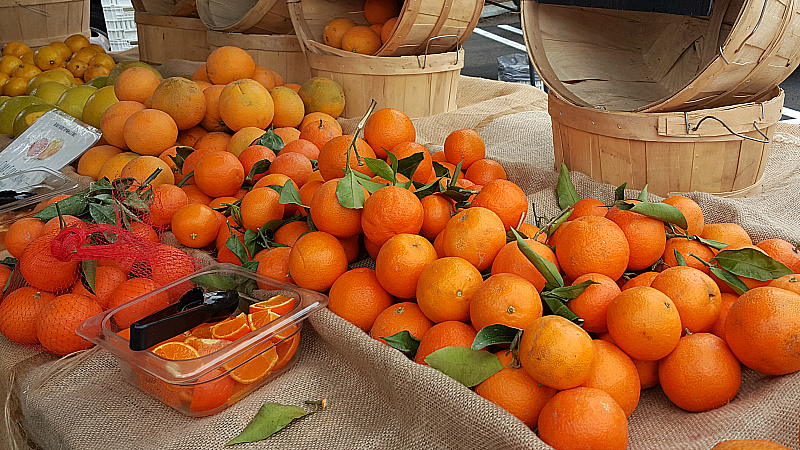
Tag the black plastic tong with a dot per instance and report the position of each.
(194, 308)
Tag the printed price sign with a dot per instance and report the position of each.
(53, 141)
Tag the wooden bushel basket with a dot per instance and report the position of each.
(280, 52)
(40, 22)
(420, 86)
(246, 16)
(182, 8)
(420, 23)
(721, 151)
(644, 61)
(170, 37)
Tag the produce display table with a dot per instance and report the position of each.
(376, 397)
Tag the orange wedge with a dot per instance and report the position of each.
(176, 351)
(231, 329)
(125, 334)
(203, 331)
(286, 350)
(206, 346)
(260, 318)
(255, 369)
(279, 304)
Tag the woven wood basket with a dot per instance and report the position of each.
(40, 22)
(170, 37)
(246, 16)
(640, 61)
(279, 52)
(182, 8)
(424, 26)
(419, 86)
(669, 152)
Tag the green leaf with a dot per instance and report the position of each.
(458, 193)
(371, 186)
(10, 276)
(661, 211)
(433, 187)
(731, 280)
(270, 140)
(257, 169)
(440, 170)
(237, 247)
(290, 195)
(89, 267)
(709, 242)
(570, 292)
(751, 263)
(181, 153)
(408, 165)
(270, 418)
(9, 261)
(643, 195)
(465, 365)
(349, 192)
(250, 265)
(567, 195)
(619, 193)
(101, 185)
(548, 270)
(559, 308)
(679, 258)
(380, 168)
(393, 163)
(74, 205)
(251, 241)
(558, 222)
(403, 341)
(216, 281)
(493, 335)
(456, 174)
(102, 214)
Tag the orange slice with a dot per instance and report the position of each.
(125, 334)
(203, 331)
(286, 350)
(231, 329)
(279, 304)
(176, 351)
(206, 346)
(260, 318)
(255, 369)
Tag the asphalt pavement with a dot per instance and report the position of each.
(499, 34)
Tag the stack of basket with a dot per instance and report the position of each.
(677, 103)
(417, 68)
(169, 29)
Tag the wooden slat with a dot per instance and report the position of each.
(64, 18)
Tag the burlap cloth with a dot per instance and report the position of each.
(378, 399)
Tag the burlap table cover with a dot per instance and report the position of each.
(377, 398)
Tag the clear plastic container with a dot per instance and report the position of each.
(43, 183)
(208, 384)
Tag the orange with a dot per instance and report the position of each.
(389, 211)
(483, 171)
(53, 226)
(691, 211)
(592, 244)
(182, 99)
(719, 326)
(16, 48)
(694, 293)
(330, 216)
(505, 299)
(782, 251)
(700, 374)
(246, 103)
(511, 260)
(259, 206)
(302, 146)
(213, 391)
(646, 237)
(176, 351)
(315, 117)
(644, 279)
(334, 31)
(113, 122)
(445, 288)
(684, 247)
(264, 76)
(253, 154)
(231, 329)
(145, 231)
(195, 225)
(90, 163)
(789, 282)
(294, 165)
(320, 132)
(200, 74)
(150, 132)
(361, 39)
(168, 264)
(587, 207)
(727, 233)
(211, 119)
(515, 391)
(316, 260)
(583, 417)
(25, 71)
(227, 64)
(464, 145)
(190, 136)
(424, 169)
(359, 298)
(167, 199)
(47, 57)
(333, 157)
(19, 312)
(762, 330)
(352, 247)
(289, 108)
(506, 199)
(289, 233)
(403, 316)
(748, 444)
(615, 373)
(388, 29)
(556, 352)
(58, 319)
(42, 270)
(215, 141)
(21, 233)
(437, 211)
(244, 138)
(307, 193)
(136, 84)
(475, 234)
(194, 195)
(379, 11)
(386, 128)
(142, 167)
(445, 334)
(77, 42)
(274, 264)
(644, 323)
(322, 94)
(95, 71)
(592, 304)
(219, 174)
(401, 261)
(288, 134)
(107, 280)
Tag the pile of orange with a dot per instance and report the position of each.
(344, 33)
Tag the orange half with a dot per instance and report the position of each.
(231, 329)
(280, 305)
(176, 351)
